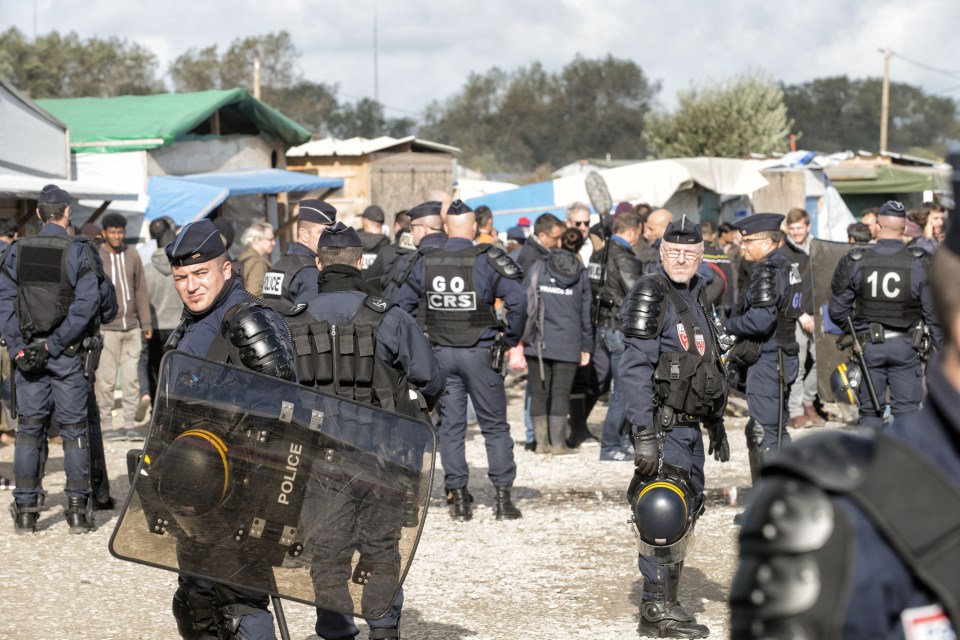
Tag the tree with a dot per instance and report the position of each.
(742, 115)
(203, 69)
(837, 113)
(55, 66)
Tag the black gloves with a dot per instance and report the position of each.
(719, 445)
(32, 358)
(646, 445)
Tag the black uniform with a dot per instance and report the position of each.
(236, 329)
(827, 542)
(884, 290)
(400, 362)
(291, 279)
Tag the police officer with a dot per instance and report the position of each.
(613, 271)
(52, 296)
(403, 360)
(224, 323)
(293, 278)
(459, 283)
(372, 235)
(382, 268)
(426, 227)
(672, 380)
(884, 291)
(854, 535)
(765, 322)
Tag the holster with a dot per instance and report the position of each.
(498, 358)
(92, 347)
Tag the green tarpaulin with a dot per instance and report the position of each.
(134, 123)
(891, 180)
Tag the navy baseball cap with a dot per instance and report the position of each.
(374, 214)
(758, 223)
(339, 235)
(197, 242)
(317, 211)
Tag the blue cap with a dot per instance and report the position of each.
(517, 233)
(424, 209)
(893, 209)
(683, 232)
(339, 235)
(458, 207)
(52, 193)
(317, 211)
(758, 223)
(197, 242)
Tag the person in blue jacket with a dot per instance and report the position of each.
(451, 291)
(884, 290)
(218, 313)
(854, 535)
(558, 338)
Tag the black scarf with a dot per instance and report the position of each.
(340, 277)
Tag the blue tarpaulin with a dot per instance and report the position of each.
(193, 197)
(511, 205)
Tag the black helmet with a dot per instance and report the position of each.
(664, 508)
(201, 482)
(844, 382)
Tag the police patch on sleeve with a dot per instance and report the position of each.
(367, 260)
(928, 623)
(273, 284)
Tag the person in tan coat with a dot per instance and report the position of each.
(258, 242)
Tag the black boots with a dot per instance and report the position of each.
(79, 514)
(658, 620)
(541, 432)
(459, 501)
(504, 509)
(24, 516)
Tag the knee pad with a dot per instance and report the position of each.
(195, 615)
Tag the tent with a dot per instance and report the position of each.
(192, 197)
(654, 182)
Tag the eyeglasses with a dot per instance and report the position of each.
(424, 226)
(674, 254)
(581, 223)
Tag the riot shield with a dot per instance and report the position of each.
(824, 257)
(267, 485)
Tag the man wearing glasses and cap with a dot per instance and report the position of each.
(293, 278)
(884, 291)
(766, 321)
(672, 382)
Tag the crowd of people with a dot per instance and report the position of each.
(663, 316)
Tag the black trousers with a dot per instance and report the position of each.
(550, 393)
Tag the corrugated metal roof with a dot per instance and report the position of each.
(364, 146)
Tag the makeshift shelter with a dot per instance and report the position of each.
(135, 139)
(393, 173)
(34, 152)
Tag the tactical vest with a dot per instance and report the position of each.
(276, 282)
(342, 359)
(790, 309)
(45, 294)
(372, 243)
(885, 292)
(450, 311)
(691, 381)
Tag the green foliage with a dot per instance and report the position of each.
(742, 115)
(55, 66)
(530, 117)
(837, 113)
(202, 69)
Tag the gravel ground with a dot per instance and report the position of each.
(567, 569)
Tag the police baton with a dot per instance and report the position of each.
(865, 373)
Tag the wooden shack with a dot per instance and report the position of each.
(394, 173)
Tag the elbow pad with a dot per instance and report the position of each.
(260, 338)
(642, 310)
(765, 287)
(504, 264)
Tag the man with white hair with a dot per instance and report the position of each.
(258, 242)
(672, 381)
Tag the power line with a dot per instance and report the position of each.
(922, 65)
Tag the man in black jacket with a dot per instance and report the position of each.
(613, 272)
(546, 236)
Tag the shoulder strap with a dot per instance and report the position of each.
(930, 546)
(686, 315)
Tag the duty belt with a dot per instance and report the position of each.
(865, 336)
(668, 418)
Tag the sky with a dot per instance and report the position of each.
(427, 48)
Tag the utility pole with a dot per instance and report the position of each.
(256, 77)
(376, 70)
(885, 100)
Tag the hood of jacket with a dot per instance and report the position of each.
(159, 261)
(564, 267)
